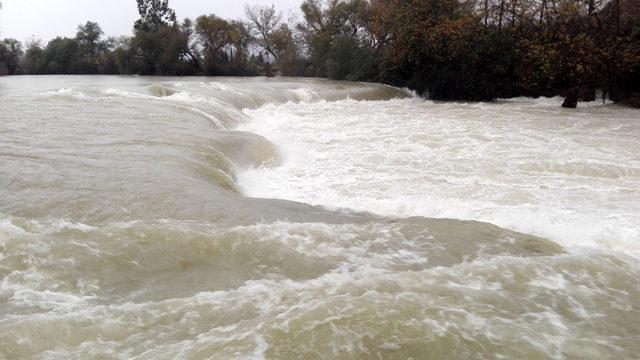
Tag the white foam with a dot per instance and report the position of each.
(126, 94)
(554, 101)
(218, 86)
(65, 92)
(573, 177)
(305, 95)
(8, 230)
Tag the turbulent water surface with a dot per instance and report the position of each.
(202, 218)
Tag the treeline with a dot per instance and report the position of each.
(444, 49)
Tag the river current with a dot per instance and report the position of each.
(228, 218)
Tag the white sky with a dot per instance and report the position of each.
(46, 19)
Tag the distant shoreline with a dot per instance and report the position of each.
(445, 50)
(630, 103)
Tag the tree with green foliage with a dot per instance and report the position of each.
(124, 55)
(214, 35)
(339, 42)
(224, 45)
(10, 55)
(89, 46)
(435, 47)
(318, 30)
(154, 14)
(88, 36)
(33, 62)
(61, 56)
(162, 46)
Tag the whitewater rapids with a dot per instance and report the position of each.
(225, 218)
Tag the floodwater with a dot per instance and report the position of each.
(227, 218)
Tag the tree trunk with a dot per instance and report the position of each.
(501, 14)
(543, 8)
(617, 17)
(486, 12)
(571, 100)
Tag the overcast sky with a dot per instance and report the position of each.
(46, 19)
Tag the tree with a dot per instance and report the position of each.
(191, 52)
(88, 36)
(263, 22)
(124, 55)
(213, 34)
(437, 47)
(10, 55)
(33, 60)
(318, 32)
(225, 45)
(161, 46)
(444, 49)
(332, 25)
(61, 57)
(89, 46)
(287, 50)
(239, 42)
(339, 63)
(154, 14)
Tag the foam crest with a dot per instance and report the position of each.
(524, 167)
(65, 93)
(305, 95)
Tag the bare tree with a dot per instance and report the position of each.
(264, 21)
